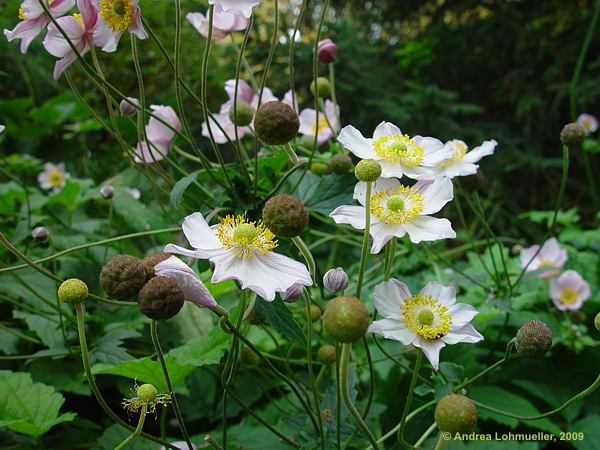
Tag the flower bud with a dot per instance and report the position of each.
(335, 280)
(152, 260)
(340, 163)
(572, 135)
(147, 393)
(285, 215)
(276, 123)
(293, 293)
(161, 298)
(455, 413)
(597, 321)
(72, 291)
(326, 354)
(40, 234)
(319, 168)
(122, 277)
(107, 192)
(472, 183)
(244, 114)
(367, 170)
(534, 339)
(248, 358)
(315, 313)
(346, 319)
(128, 109)
(320, 87)
(326, 51)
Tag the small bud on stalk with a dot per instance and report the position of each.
(534, 339)
(243, 114)
(319, 168)
(293, 293)
(340, 163)
(161, 298)
(335, 280)
(597, 321)
(346, 319)
(326, 51)
(107, 192)
(72, 291)
(147, 393)
(320, 87)
(572, 135)
(122, 277)
(315, 313)
(40, 234)
(326, 354)
(128, 107)
(276, 123)
(285, 215)
(368, 170)
(456, 413)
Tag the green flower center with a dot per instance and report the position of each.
(245, 231)
(119, 8)
(395, 203)
(425, 317)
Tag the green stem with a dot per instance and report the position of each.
(338, 400)
(506, 357)
(365, 243)
(290, 152)
(165, 370)
(409, 396)
(308, 257)
(425, 435)
(291, 53)
(343, 382)
(137, 431)
(390, 254)
(441, 442)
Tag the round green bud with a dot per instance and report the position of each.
(395, 203)
(285, 215)
(152, 260)
(122, 277)
(472, 183)
(346, 319)
(248, 358)
(244, 114)
(161, 298)
(534, 339)
(72, 291)
(323, 88)
(572, 135)
(597, 321)
(340, 164)
(368, 170)
(276, 123)
(319, 168)
(147, 393)
(456, 413)
(326, 354)
(315, 313)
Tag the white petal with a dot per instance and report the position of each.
(434, 151)
(388, 297)
(462, 314)
(199, 234)
(385, 129)
(436, 194)
(393, 329)
(467, 333)
(427, 228)
(431, 349)
(382, 233)
(193, 289)
(196, 254)
(353, 215)
(485, 149)
(354, 141)
(457, 169)
(382, 184)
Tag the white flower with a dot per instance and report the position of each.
(224, 22)
(309, 126)
(588, 122)
(462, 162)
(227, 127)
(242, 250)
(134, 192)
(53, 176)
(243, 6)
(193, 289)
(550, 256)
(398, 153)
(288, 99)
(569, 290)
(428, 320)
(397, 210)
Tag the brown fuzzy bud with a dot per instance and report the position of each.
(152, 260)
(326, 354)
(276, 123)
(534, 339)
(341, 164)
(285, 215)
(456, 413)
(346, 319)
(572, 135)
(161, 298)
(122, 277)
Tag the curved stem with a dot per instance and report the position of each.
(365, 243)
(291, 153)
(343, 381)
(137, 430)
(409, 396)
(308, 257)
(506, 357)
(165, 371)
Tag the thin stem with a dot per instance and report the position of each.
(290, 152)
(441, 442)
(338, 400)
(291, 53)
(137, 431)
(308, 257)
(165, 370)
(390, 254)
(409, 396)
(425, 435)
(343, 381)
(506, 357)
(365, 243)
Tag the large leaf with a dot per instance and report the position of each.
(115, 434)
(590, 433)
(27, 407)
(202, 350)
(180, 187)
(324, 194)
(280, 318)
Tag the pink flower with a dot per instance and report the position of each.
(588, 122)
(228, 127)
(193, 289)
(288, 99)
(569, 290)
(159, 134)
(326, 51)
(116, 16)
(309, 126)
(224, 22)
(550, 256)
(243, 6)
(34, 20)
(79, 29)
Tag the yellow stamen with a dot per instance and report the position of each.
(460, 150)
(118, 14)
(568, 296)
(21, 14)
(247, 238)
(426, 316)
(320, 126)
(398, 148)
(55, 178)
(385, 205)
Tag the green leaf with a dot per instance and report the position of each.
(47, 330)
(591, 433)
(180, 187)
(280, 318)
(134, 213)
(324, 194)
(202, 350)
(27, 407)
(115, 434)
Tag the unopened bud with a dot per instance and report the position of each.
(455, 413)
(326, 354)
(326, 51)
(346, 319)
(107, 192)
(368, 170)
(72, 291)
(128, 107)
(293, 293)
(243, 114)
(122, 277)
(161, 298)
(285, 215)
(340, 163)
(315, 313)
(335, 280)
(276, 123)
(147, 393)
(321, 87)
(40, 234)
(319, 168)
(597, 321)
(572, 135)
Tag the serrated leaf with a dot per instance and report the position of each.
(180, 187)
(591, 433)
(324, 194)
(27, 407)
(202, 350)
(47, 330)
(279, 317)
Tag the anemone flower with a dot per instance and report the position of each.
(397, 153)
(463, 161)
(117, 16)
(327, 121)
(428, 320)
(34, 19)
(397, 210)
(53, 176)
(551, 257)
(159, 135)
(224, 22)
(569, 290)
(243, 6)
(193, 289)
(225, 131)
(588, 122)
(242, 250)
